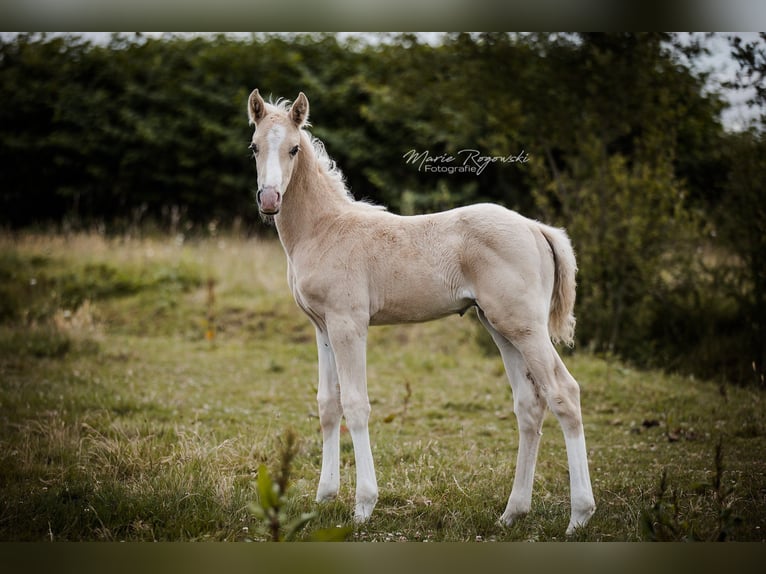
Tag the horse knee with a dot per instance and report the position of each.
(329, 410)
(356, 410)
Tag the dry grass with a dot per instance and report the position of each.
(123, 418)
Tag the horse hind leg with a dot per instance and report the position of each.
(529, 408)
(561, 392)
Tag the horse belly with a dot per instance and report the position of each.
(419, 303)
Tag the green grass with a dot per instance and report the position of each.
(144, 381)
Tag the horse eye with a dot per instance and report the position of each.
(254, 148)
(294, 151)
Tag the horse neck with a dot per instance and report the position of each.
(309, 201)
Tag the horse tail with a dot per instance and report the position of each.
(561, 321)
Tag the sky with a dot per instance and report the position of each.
(722, 67)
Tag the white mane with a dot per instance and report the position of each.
(328, 165)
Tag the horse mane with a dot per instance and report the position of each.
(327, 165)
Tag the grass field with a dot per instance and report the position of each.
(144, 381)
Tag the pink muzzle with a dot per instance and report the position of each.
(269, 200)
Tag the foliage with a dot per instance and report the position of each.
(741, 223)
(628, 258)
(141, 125)
(740, 217)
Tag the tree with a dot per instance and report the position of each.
(610, 175)
(741, 217)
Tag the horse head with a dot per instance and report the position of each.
(275, 144)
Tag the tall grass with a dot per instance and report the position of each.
(122, 418)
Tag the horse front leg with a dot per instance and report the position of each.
(330, 412)
(348, 340)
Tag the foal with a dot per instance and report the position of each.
(352, 265)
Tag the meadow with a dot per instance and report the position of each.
(145, 379)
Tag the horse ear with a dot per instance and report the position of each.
(299, 112)
(256, 107)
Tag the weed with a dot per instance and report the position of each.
(728, 520)
(664, 520)
(270, 508)
(661, 522)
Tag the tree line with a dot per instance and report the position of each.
(613, 136)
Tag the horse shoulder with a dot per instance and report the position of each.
(330, 279)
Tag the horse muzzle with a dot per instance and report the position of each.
(269, 200)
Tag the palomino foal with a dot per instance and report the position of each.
(352, 265)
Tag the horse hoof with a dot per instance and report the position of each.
(580, 519)
(326, 494)
(511, 516)
(363, 511)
